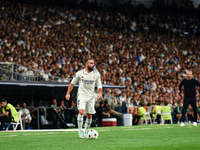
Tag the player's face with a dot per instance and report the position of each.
(24, 105)
(90, 65)
(189, 75)
(3, 104)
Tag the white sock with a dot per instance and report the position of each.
(80, 122)
(87, 124)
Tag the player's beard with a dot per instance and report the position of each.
(90, 68)
(189, 78)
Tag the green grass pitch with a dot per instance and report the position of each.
(144, 137)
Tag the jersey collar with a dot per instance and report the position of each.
(85, 72)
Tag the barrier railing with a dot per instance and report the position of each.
(15, 72)
(45, 112)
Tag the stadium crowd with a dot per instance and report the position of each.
(149, 53)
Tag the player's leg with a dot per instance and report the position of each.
(89, 110)
(81, 108)
(87, 124)
(3, 121)
(178, 118)
(194, 106)
(185, 106)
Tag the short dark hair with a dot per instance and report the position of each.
(166, 103)
(106, 101)
(141, 104)
(158, 101)
(100, 103)
(86, 60)
(3, 100)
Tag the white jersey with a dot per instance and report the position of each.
(87, 83)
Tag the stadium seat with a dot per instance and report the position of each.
(154, 119)
(168, 113)
(15, 124)
(146, 117)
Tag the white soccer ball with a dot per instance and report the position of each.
(93, 134)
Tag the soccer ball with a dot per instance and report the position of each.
(93, 134)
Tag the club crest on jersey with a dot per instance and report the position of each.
(93, 77)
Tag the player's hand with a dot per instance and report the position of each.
(99, 96)
(108, 115)
(67, 96)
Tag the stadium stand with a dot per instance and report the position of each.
(146, 50)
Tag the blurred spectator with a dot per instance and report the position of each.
(135, 48)
(100, 113)
(190, 114)
(139, 116)
(109, 113)
(54, 105)
(26, 117)
(8, 113)
(17, 107)
(131, 104)
(125, 105)
(112, 100)
(157, 108)
(166, 109)
(75, 114)
(62, 105)
(198, 110)
(62, 110)
(122, 97)
(178, 111)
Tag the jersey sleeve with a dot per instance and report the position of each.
(75, 78)
(98, 81)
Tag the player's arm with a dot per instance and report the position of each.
(99, 86)
(100, 93)
(106, 114)
(6, 113)
(197, 83)
(71, 85)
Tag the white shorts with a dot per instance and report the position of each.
(87, 105)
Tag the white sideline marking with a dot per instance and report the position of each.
(13, 135)
(10, 135)
(139, 129)
(148, 128)
(57, 131)
(43, 130)
(31, 134)
(104, 130)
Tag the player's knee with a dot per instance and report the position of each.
(89, 116)
(81, 112)
(3, 118)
